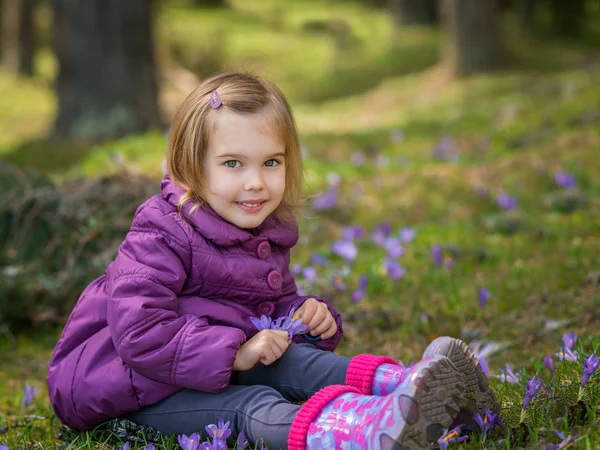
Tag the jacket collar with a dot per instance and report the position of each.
(213, 227)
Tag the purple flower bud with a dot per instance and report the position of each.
(345, 249)
(381, 233)
(531, 389)
(565, 180)
(319, 259)
(569, 340)
(549, 363)
(242, 442)
(296, 269)
(407, 235)
(506, 202)
(484, 296)
(437, 255)
(393, 247)
(589, 367)
(310, 274)
(394, 270)
(29, 396)
(327, 200)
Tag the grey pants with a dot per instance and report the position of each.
(258, 402)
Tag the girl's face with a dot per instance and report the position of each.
(244, 168)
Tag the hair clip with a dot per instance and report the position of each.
(215, 100)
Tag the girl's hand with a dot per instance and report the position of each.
(266, 346)
(316, 315)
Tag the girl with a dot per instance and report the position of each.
(164, 337)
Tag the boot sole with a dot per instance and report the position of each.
(427, 404)
(478, 394)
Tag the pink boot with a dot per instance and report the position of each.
(341, 417)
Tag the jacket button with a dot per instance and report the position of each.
(265, 308)
(274, 280)
(264, 250)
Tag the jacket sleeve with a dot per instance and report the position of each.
(295, 301)
(150, 336)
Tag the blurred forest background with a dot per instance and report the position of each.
(461, 139)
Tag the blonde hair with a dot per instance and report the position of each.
(189, 136)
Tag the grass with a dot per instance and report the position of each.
(513, 131)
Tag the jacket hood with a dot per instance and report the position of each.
(213, 227)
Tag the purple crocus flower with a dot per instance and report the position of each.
(319, 260)
(484, 296)
(352, 233)
(565, 180)
(242, 442)
(4, 447)
(509, 376)
(487, 421)
(569, 340)
(338, 284)
(220, 431)
(451, 436)
(358, 294)
(407, 235)
(294, 327)
(394, 270)
(327, 200)
(149, 447)
(531, 389)
(566, 354)
(381, 233)
(393, 247)
(189, 443)
(206, 445)
(310, 274)
(589, 367)
(566, 441)
(264, 323)
(30, 393)
(549, 363)
(124, 447)
(345, 249)
(506, 202)
(296, 269)
(437, 255)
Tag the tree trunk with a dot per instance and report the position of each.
(473, 38)
(27, 37)
(18, 35)
(567, 16)
(415, 12)
(106, 85)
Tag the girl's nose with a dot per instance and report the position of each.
(254, 182)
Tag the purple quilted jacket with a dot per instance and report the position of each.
(171, 311)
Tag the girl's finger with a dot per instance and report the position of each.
(324, 326)
(319, 316)
(330, 332)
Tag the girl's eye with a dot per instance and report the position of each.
(232, 163)
(272, 163)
